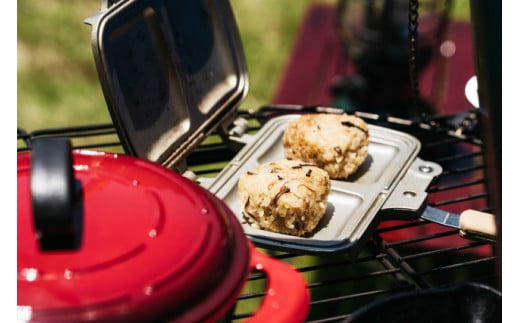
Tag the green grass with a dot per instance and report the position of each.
(57, 80)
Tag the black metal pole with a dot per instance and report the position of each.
(486, 21)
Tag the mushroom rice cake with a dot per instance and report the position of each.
(338, 143)
(285, 196)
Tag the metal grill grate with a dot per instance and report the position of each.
(400, 256)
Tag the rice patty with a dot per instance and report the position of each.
(284, 196)
(338, 143)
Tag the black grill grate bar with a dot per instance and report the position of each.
(340, 264)
(340, 318)
(407, 269)
(459, 157)
(371, 293)
(442, 251)
(405, 225)
(257, 275)
(246, 296)
(217, 151)
(359, 260)
(83, 131)
(94, 146)
(439, 141)
(328, 282)
(209, 171)
(463, 170)
(460, 199)
(235, 317)
(388, 261)
(88, 131)
(457, 266)
(422, 238)
(114, 144)
(438, 188)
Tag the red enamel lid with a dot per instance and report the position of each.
(154, 245)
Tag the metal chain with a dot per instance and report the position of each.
(413, 22)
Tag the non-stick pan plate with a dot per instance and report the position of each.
(352, 204)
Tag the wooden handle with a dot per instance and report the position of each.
(479, 224)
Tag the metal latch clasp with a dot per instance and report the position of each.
(234, 134)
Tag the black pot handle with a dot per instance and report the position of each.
(56, 199)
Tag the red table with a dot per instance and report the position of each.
(317, 57)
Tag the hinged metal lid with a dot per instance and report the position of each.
(171, 73)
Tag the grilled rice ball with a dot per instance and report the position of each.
(338, 143)
(284, 196)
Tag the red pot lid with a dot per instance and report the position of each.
(154, 246)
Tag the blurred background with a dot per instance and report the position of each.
(57, 84)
